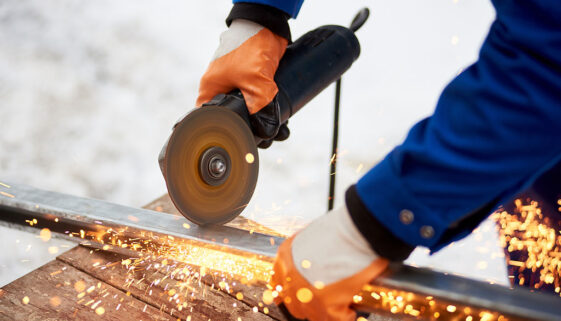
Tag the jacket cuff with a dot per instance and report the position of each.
(269, 17)
(381, 240)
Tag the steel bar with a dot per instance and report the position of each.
(92, 214)
(61, 213)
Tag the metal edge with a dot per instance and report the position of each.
(517, 301)
(96, 212)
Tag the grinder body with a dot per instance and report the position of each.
(210, 162)
(309, 65)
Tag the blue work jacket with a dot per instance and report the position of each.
(496, 128)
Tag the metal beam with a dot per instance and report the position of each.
(91, 214)
(20, 204)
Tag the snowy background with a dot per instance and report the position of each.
(90, 89)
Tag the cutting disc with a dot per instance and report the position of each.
(211, 165)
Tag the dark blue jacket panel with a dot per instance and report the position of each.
(496, 127)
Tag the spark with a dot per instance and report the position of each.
(45, 234)
(55, 301)
(25, 300)
(455, 40)
(359, 168)
(523, 232)
(249, 158)
(333, 158)
(80, 286)
(268, 297)
(7, 194)
(100, 311)
(304, 295)
(56, 272)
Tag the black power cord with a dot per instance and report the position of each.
(357, 22)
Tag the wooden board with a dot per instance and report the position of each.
(154, 286)
(49, 293)
(87, 284)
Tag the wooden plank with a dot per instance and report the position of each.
(252, 294)
(152, 290)
(173, 288)
(50, 293)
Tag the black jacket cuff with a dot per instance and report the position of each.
(381, 240)
(269, 17)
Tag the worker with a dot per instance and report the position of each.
(495, 129)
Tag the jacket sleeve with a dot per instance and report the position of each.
(269, 17)
(291, 7)
(496, 127)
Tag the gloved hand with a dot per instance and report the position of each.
(247, 59)
(282, 134)
(323, 266)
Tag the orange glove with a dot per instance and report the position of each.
(321, 268)
(247, 59)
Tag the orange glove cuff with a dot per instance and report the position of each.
(320, 302)
(251, 68)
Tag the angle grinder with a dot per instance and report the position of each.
(210, 162)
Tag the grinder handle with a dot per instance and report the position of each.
(312, 63)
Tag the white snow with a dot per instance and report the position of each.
(90, 89)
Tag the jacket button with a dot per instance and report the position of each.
(427, 231)
(406, 217)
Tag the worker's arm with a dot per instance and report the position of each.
(495, 128)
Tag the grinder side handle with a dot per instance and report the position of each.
(312, 63)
